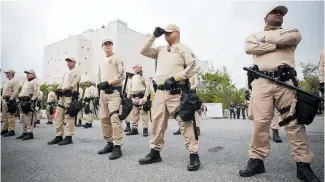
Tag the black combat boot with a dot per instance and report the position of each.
(116, 153)
(128, 127)
(22, 136)
(134, 131)
(254, 166)
(10, 133)
(35, 124)
(87, 125)
(276, 136)
(38, 122)
(107, 149)
(153, 156)
(198, 131)
(145, 132)
(66, 141)
(48, 122)
(194, 164)
(56, 140)
(79, 123)
(178, 132)
(28, 136)
(305, 173)
(51, 122)
(4, 132)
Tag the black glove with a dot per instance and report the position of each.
(158, 32)
(321, 87)
(102, 85)
(169, 83)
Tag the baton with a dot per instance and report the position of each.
(34, 108)
(194, 127)
(283, 84)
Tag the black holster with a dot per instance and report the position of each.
(190, 102)
(12, 107)
(26, 106)
(127, 107)
(87, 108)
(306, 108)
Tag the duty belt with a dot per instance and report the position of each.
(24, 98)
(284, 76)
(6, 98)
(140, 95)
(178, 87)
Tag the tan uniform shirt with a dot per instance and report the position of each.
(140, 84)
(111, 69)
(11, 89)
(91, 92)
(40, 96)
(194, 81)
(70, 80)
(176, 60)
(266, 55)
(51, 97)
(30, 89)
(321, 67)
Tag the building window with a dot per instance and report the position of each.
(86, 73)
(58, 53)
(79, 64)
(49, 75)
(88, 49)
(48, 62)
(85, 58)
(57, 69)
(82, 47)
(51, 58)
(65, 52)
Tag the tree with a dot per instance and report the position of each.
(217, 87)
(310, 82)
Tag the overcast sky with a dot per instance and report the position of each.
(215, 30)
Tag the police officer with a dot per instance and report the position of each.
(39, 108)
(175, 64)
(272, 48)
(68, 93)
(321, 73)
(80, 113)
(238, 108)
(51, 103)
(9, 95)
(193, 81)
(232, 111)
(243, 110)
(90, 94)
(139, 92)
(28, 98)
(110, 75)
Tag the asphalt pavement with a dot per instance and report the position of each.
(223, 152)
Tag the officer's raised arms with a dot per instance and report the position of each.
(255, 47)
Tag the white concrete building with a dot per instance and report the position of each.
(87, 50)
